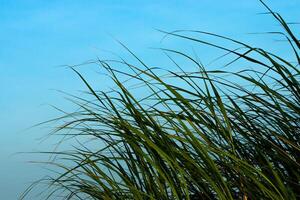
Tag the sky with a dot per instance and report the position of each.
(39, 38)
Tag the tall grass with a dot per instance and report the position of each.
(192, 135)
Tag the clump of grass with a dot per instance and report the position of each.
(194, 135)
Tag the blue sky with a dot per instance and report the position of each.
(38, 37)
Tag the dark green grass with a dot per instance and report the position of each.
(192, 135)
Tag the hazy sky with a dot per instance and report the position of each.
(38, 37)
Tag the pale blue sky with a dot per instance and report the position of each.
(37, 37)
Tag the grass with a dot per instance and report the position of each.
(193, 135)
